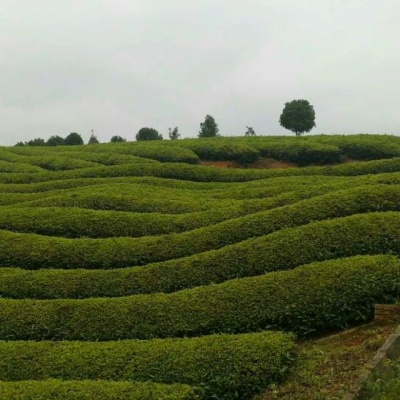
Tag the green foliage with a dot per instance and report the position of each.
(302, 153)
(32, 251)
(225, 366)
(36, 142)
(317, 297)
(174, 133)
(117, 139)
(55, 140)
(148, 134)
(94, 390)
(221, 149)
(298, 116)
(73, 139)
(93, 139)
(208, 128)
(250, 131)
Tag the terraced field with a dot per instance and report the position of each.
(128, 271)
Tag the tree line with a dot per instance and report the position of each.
(298, 116)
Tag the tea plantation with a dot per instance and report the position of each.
(132, 271)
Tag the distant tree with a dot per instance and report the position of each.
(174, 133)
(250, 131)
(36, 142)
(298, 116)
(116, 139)
(55, 140)
(208, 128)
(73, 139)
(93, 139)
(20, 144)
(148, 134)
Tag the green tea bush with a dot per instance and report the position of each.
(75, 222)
(224, 149)
(198, 173)
(94, 390)
(107, 158)
(364, 147)
(57, 163)
(302, 153)
(163, 152)
(225, 366)
(122, 252)
(7, 167)
(318, 297)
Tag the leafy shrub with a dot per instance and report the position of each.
(299, 152)
(222, 149)
(226, 366)
(311, 298)
(94, 390)
(122, 252)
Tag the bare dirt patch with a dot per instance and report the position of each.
(326, 368)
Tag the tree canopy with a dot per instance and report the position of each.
(208, 128)
(73, 139)
(93, 139)
(250, 131)
(148, 134)
(174, 133)
(298, 116)
(117, 138)
(55, 140)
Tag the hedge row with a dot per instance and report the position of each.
(160, 151)
(306, 299)
(53, 389)
(6, 166)
(107, 158)
(33, 251)
(58, 163)
(216, 149)
(225, 366)
(76, 222)
(363, 147)
(205, 174)
(134, 202)
(302, 153)
(286, 249)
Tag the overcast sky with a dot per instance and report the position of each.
(118, 65)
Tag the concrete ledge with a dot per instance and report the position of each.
(389, 351)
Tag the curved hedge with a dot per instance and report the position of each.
(205, 174)
(94, 390)
(286, 249)
(33, 251)
(226, 366)
(317, 297)
(218, 148)
(160, 151)
(73, 222)
(299, 152)
(6, 166)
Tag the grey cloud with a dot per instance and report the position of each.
(116, 66)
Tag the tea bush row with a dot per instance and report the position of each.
(73, 222)
(225, 366)
(94, 390)
(160, 151)
(9, 167)
(361, 234)
(317, 297)
(205, 174)
(33, 251)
